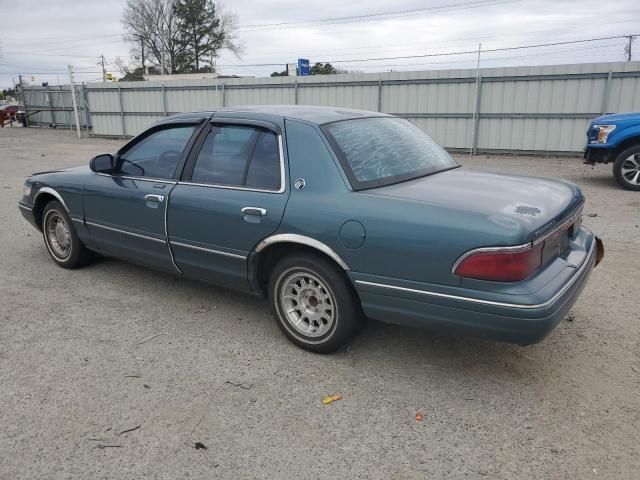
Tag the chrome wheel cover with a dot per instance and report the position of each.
(630, 169)
(58, 235)
(307, 303)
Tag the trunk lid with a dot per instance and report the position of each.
(537, 205)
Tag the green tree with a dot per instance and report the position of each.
(8, 92)
(283, 73)
(323, 69)
(202, 32)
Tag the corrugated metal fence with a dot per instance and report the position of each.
(525, 109)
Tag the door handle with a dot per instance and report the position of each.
(257, 211)
(154, 198)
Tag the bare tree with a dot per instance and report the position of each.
(153, 24)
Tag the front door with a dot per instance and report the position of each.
(125, 211)
(233, 196)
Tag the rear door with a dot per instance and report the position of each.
(232, 195)
(125, 211)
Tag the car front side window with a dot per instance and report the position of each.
(157, 154)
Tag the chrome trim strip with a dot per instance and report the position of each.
(249, 189)
(78, 220)
(50, 191)
(92, 224)
(513, 249)
(166, 233)
(568, 285)
(228, 187)
(572, 218)
(208, 250)
(525, 246)
(147, 179)
(301, 239)
(25, 207)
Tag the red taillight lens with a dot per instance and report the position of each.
(501, 266)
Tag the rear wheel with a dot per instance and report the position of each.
(626, 168)
(61, 238)
(314, 303)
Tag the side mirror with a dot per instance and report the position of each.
(104, 163)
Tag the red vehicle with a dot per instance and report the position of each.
(8, 114)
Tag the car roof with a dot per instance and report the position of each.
(307, 113)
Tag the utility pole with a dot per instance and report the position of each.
(627, 48)
(144, 66)
(104, 71)
(74, 100)
(22, 101)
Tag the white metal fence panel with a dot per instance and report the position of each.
(526, 109)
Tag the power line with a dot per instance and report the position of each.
(483, 51)
(50, 55)
(388, 46)
(328, 21)
(444, 54)
(374, 17)
(472, 60)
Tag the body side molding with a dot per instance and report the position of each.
(53, 193)
(302, 240)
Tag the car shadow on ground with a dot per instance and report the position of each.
(378, 347)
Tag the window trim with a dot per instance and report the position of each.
(358, 185)
(221, 121)
(198, 124)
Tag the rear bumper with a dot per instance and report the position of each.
(515, 321)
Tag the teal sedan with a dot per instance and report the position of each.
(335, 215)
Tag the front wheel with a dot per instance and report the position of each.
(61, 238)
(314, 303)
(626, 168)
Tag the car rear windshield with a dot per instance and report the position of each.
(382, 151)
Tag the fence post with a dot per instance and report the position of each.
(164, 101)
(224, 97)
(476, 116)
(605, 95)
(124, 131)
(295, 92)
(22, 99)
(53, 116)
(379, 95)
(87, 114)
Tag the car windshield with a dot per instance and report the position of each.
(381, 151)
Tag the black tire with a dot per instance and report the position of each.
(323, 276)
(622, 158)
(75, 254)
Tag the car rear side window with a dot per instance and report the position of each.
(385, 150)
(264, 167)
(157, 154)
(238, 155)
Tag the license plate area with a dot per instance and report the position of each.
(556, 244)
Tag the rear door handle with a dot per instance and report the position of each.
(154, 198)
(260, 212)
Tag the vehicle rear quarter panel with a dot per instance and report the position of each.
(404, 239)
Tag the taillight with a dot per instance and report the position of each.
(501, 265)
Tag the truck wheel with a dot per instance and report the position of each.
(314, 303)
(626, 168)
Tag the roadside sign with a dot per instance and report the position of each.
(303, 66)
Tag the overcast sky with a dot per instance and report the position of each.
(40, 37)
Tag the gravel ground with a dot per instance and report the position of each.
(87, 354)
